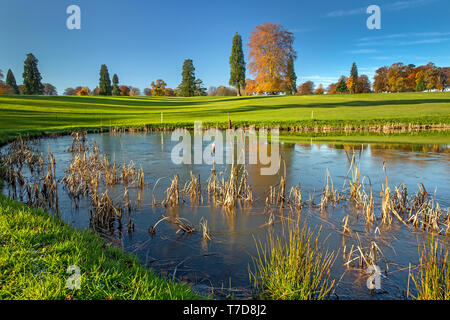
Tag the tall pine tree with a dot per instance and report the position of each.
(115, 88)
(31, 76)
(187, 85)
(355, 76)
(11, 82)
(105, 81)
(237, 65)
(291, 86)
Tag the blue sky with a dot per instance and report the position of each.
(142, 41)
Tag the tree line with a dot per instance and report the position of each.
(271, 66)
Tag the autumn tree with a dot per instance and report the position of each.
(83, 91)
(31, 76)
(49, 90)
(381, 83)
(134, 91)
(115, 87)
(169, 92)
(331, 89)
(363, 84)
(352, 81)
(306, 88)
(70, 92)
(124, 90)
(158, 88)
(270, 48)
(351, 84)
(148, 92)
(237, 65)
(187, 85)
(105, 81)
(319, 90)
(431, 76)
(212, 91)
(291, 77)
(397, 75)
(11, 82)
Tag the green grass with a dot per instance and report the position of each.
(292, 266)
(36, 250)
(37, 114)
(432, 280)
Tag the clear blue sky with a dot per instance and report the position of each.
(142, 41)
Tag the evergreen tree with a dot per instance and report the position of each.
(105, 81)
(237, 65)
(355, 76)
(31, 76)
(115, 88)
(11, 82)
(342, 86)
(187, 85)
(292, 77)
(421, 84)
(199, 90)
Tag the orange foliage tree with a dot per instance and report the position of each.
(319, 90)
(270, 48)
(158, 88)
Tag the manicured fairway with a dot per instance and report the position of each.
(39, 113)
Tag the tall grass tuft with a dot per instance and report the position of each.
(432, 280)
(292, 266)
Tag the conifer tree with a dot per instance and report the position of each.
(115, 88)
(187, 85)
(31, 76)
(291, 87)
(105, 81)
(421, 85)
(11, 82)
(354, 75)
(237, 65)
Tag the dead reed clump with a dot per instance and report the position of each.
(182, 224)
(204, 227)
(104, 211)
(228, 193)
(128, 174)
(277, 194)
(361, 257)
(79, 142)
(295, 197)
(329, 194)
(172, 195)
(369, 207)
(193, 189)
(345, 225)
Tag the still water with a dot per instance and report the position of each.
(223, 262)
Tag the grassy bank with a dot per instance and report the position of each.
(37, 114)
(37, 249)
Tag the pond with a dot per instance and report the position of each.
(222, 263)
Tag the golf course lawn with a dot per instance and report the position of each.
(36, 114)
